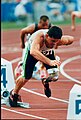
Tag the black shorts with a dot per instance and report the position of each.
(30, 64)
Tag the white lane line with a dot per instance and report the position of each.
(24, 113)
(8, 49)
(36, 93)
(15, 60)
(66, 62)
(4, 52)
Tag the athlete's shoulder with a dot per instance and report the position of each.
(41, 31)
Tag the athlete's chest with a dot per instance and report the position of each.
(46, 51)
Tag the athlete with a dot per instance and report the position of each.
(40, 47)
(74, 14)
(43, 23)
(25, 33)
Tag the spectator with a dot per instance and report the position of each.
(20, 12)
(67, 7)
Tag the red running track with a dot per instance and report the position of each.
(42, 107)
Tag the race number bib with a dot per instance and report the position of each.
(47, 52)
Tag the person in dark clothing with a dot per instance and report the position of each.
(42, 24)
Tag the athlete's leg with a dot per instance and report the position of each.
(43, 75)
(47, 90)
(14, 96)
(52, 75)
(20, 82)
(24, 51)
(18, 70)
(28, 66)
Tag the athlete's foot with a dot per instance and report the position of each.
(13, 99)
(47, 90)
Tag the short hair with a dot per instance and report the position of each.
(44, 18)
(55, 32)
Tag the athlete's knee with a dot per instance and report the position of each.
(21, 79)
(53, 74)
(18, 70)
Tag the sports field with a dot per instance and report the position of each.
(42, 107)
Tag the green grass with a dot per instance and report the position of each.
(67, 22)
(14, 25)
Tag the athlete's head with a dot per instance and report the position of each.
(44, 22)
(55, 32)
(53, 36)
(44, 18)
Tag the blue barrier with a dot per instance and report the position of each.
(7, 10)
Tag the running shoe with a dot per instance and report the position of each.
(13, 99)
(47, 90)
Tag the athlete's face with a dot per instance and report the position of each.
(50, 42)
(44, 25)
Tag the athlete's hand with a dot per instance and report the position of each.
(22, 45)
(54, 63)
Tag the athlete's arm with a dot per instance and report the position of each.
(65, 40)
(26, 31)
(35, 51)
